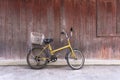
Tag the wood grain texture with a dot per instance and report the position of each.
(95, 26)
(106, 17)
(118, 17)
(2, 28)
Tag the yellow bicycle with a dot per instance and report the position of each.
(37, 58)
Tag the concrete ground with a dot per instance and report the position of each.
(60, 73)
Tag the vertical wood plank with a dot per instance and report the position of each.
(50, 22)
(23, 30)
(118, 16)
(80, 23)
(8, 29)
(2, 28)
(1, 35)
(29, 19)
(56, 8)
(14, 26)
(50, 18)
(90, 28)
(36, 15)
(43, 19)
(106, 17)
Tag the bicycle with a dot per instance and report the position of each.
(37, 58)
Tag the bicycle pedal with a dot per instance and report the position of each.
(53, 58)
(48, 61)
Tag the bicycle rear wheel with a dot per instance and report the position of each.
(35, 59)
(75, 63)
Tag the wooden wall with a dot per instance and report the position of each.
(96, 25)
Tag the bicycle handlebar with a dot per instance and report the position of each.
(65, 33)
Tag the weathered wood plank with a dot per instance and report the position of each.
(13, 23)
(56, 8)
(29, 19)
(2, 28)
(36, 15)
(118, 16)
(77, 23)
(44, 24)
(18, 18)
(9, 30)
(106, 17)
(23, 30)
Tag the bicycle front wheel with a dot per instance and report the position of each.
(36, 59)
(75, 62)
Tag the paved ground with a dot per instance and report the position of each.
(60, 73)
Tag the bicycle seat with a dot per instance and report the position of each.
(47, 41)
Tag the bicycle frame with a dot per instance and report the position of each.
(52, 52)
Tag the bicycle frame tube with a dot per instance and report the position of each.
(59, 49)
(56, 50)
(42, 50)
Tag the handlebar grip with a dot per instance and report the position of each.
(71, 29)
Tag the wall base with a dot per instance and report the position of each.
(62, 62)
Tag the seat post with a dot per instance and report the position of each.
(50, 47)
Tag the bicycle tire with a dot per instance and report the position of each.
(75, 65)
(33, 65)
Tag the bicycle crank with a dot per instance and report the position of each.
(53, 58)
